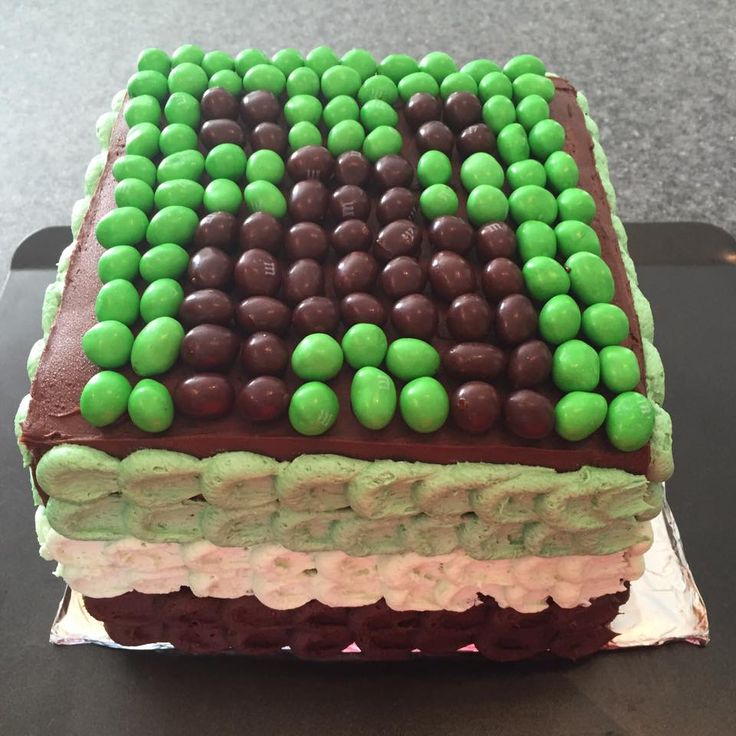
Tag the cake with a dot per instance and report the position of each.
(347, 356)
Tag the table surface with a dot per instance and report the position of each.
(656, 77)
(688, 273)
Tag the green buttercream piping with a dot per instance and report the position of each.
(317, 482)
(79, 210)
(94, 172)
(104, 126)
(244, 480)
(153, 478)
(77, 473)
(384, 488)
(117, 100)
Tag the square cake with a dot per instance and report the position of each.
(347, 355)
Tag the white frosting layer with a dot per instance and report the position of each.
(284, 579)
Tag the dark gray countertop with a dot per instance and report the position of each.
(657, 75)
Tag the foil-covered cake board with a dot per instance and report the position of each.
(664, 604)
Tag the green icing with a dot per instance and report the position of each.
(317, 482)
(77, 473)
(153, 478)
(176, 523)
(234, 480)
(117, 100)
(654, 372)
(384, 488)
(50, 307)
(79, 210)
(100, 519)
(94, 172)
(241, 528)
(104, 126)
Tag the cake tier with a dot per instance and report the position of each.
(314, 631)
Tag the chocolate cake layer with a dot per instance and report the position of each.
(54, 416)
(315, 631)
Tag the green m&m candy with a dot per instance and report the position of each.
(226, 161)
(188, 53)
(458, 82)
(424, 404)
(224, 195)
(377, 112)
(373, 397)
(532, 110)
(347, 135)
(108, 344)
(340, 108)
(545, 277)
(523, 173)
(165, 261)
(398, 66)
(575, 366)
(189, 78)
(409, 358)
(120, 262)
(486, 203)
(535, 238)
(494, 83)
(304, 134)
(562, 171)
(512, 144)
(156, 346)
(480, 168)
(217, 61)
(134, 193)
(181, 165)
(181, 107)
(263, 196)
(478, 68)
(142, 140)
(574, 236)
(313, 408)
(340, 80)
(437, 200)
(121, 226)
(619, 369)
(134, 167)
(184, 192)
(434, 167)
(264, 77)
(148, 82)
(559, 319)
(288, 60)
(524, 64)
(360, 60)
(590, 278)
(155, 60)
(317, 357)
(579, 414)
(228, 80)
(380, 88)
(576, 204)
(533, 84)
(546, 137)
(104, 398)
(162, 298)
(498, 112)
(117, 300)
(364, 344)
(438, 64)
(382, 141)
(531, 202)
(174, 224)
(177, 137)
(247, 59)
(605, 324)
(417, 82)
(150, 406)
(265, 165)
(320, 59)
(302, 81)
(630, 421)
(143, 109)
(303, 107)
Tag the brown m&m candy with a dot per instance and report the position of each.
(397, 203)
(399, 238)
(270, 136)
(529, 364)
(257, 273)
(476, 138)
(357, 271)
(469, 317)
(392, 171)
(306, 240)
(308, 201)
(216, 230)
(210, 268)
(516, 319)
(415, 316)
(206, 305)
(352, 167)
(421, 108)
(350, 202)
(475, 407)
(263, 399)
(310, 162)
(315, 314)
(210, 347)
(495, 240)
(451, 233)
(435, 136)
(402, 276)
(501, 278)
(261, 230)
(359, 308)
(474, 361)
(450, 275)
(221, 130)
(204, 396)
(529, 415)
(461, 110)
(264, 354)
(351, 235)
(217, 102)
(303, 278)
(263, 314)
(258, 107)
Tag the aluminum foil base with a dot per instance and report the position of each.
(664, 604)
